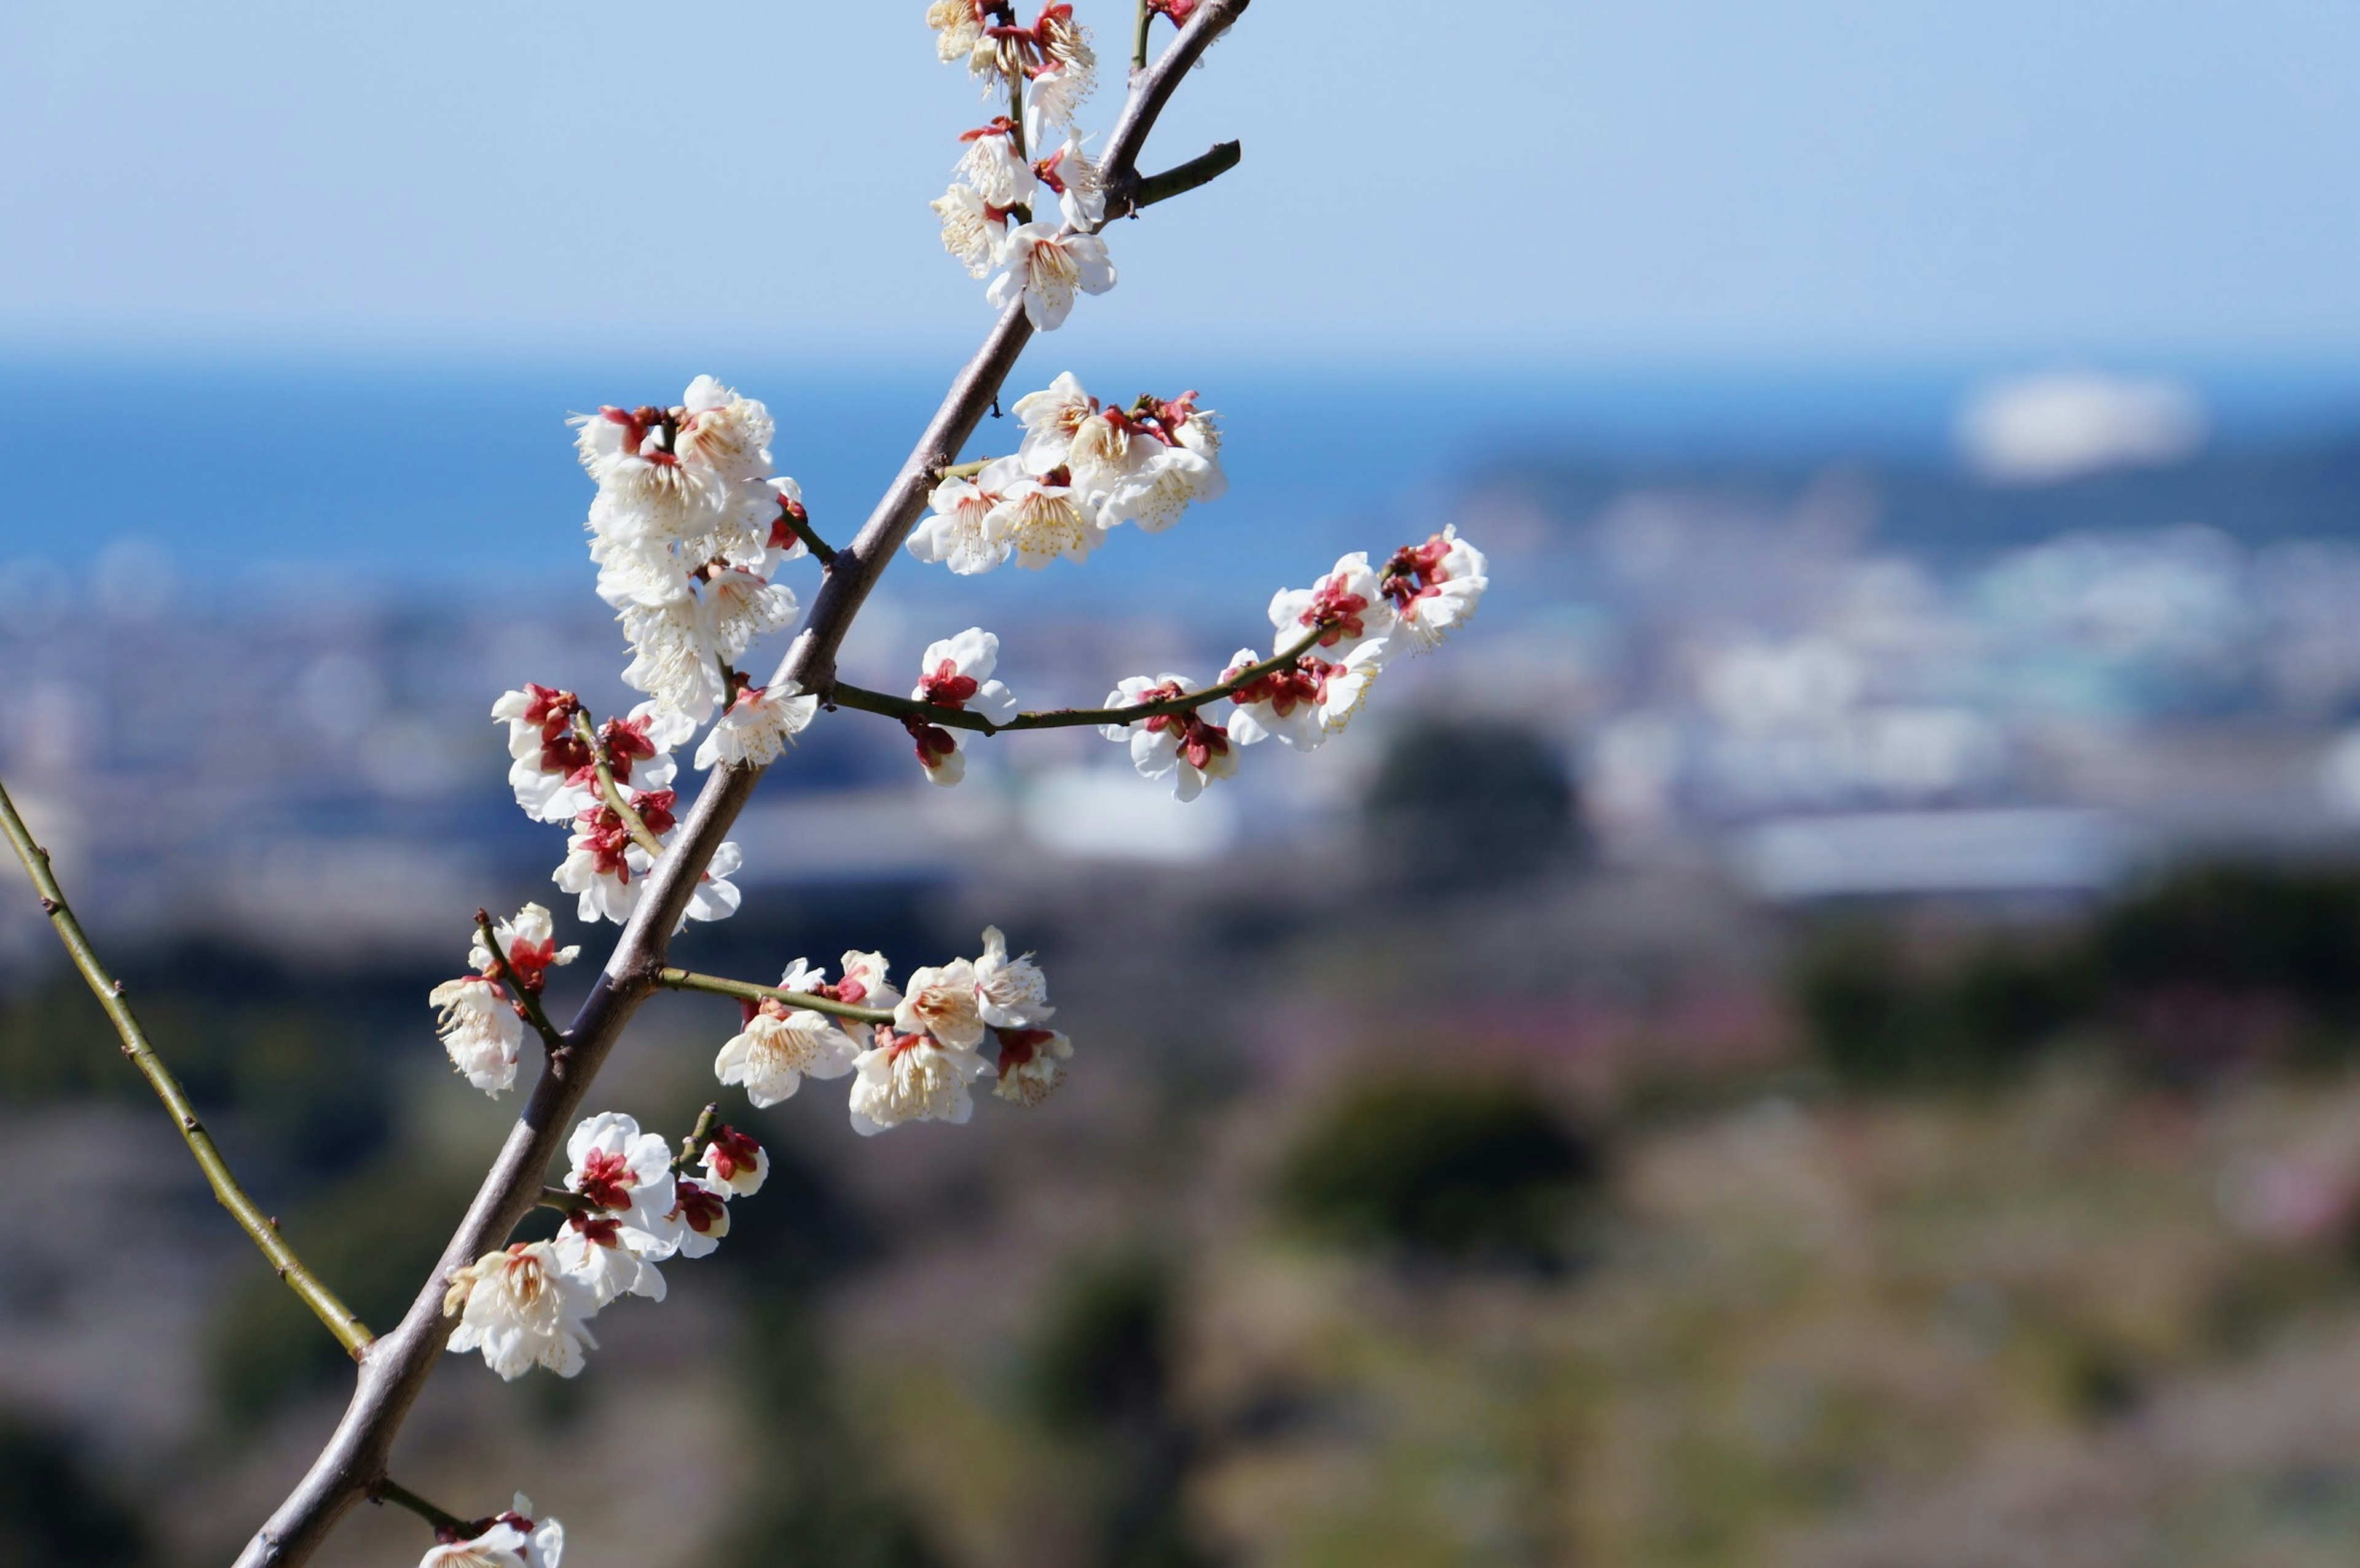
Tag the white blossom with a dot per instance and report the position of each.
(912, 1078)
(513, 1539)
(735, 1164)
(1067, 73)
(745, 605)
(942, 1002)
(758, 726)
(521, 1308)
(1158, 488)
(590, 1248)
(866, 982)
(1032, 1064)
(1078, 181)
(972, 228)
(1044, 267)
(702, 1211)
(1045, 522)
(676, 656)
(1009, 992)
(626, 1175)
(528, 948)
(1433, 588)
(968, 529)
(480, 1030)
(955, 674)
(780, 1047)
(1189, 747)
(725, 433)
(994, 166)
(957, 28)
(1304, 705)
(1347, 603)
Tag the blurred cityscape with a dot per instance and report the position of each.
(1819, 1032)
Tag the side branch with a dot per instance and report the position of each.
(389, 1490)
(747, 991)
(1181, 177)
(612, 792)
(1071, 718)
(350, 1332)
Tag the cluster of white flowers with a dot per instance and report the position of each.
(689, 530)
(1082, 470)
(1356, 618)
(918, 1065)
(513, 1539)
(1049, 69)
(633, 1205)
(481, 1018)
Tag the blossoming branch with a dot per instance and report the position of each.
(696, 539)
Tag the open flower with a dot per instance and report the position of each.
(968, 529)
(1434, 589)
(513, 1539)
(1046, 521)
(994, 166)
(1302, 705)
(528, 949)
(758, 725)
(521, 1309)
(955, 674)
(942, 1002)
(912, 1078)
(480, 1030)
(1348, 607)
(972, 228)
(778, 1047)
(1185, 744)
(1044, 268)
(1009, 992)
(1032, 1064)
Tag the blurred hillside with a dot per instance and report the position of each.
(1821, 1032)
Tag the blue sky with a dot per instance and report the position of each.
(1681, 177)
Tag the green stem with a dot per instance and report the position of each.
(507, 981)
(965, 470)
(350, 1332)
(564, 1200)
(692, 1147)
(1139, 37)
(612, 792)
(389, 1490)
(801, 523)
(747, 991)
(868, 702)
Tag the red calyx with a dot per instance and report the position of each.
(606, 1180)
(946, 688)
(700, 1209)
(732, 1151)
(999, 126)
(934, 745)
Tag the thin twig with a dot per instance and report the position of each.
(389, 1490)
(612, 792)
(504, 975)
(800, 521)
(564, 1200)
(965, 470)
(868, 702)
(692, 1147)
(747, 991)
(350, 1332)
(397, 1371)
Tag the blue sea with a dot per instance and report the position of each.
(408, 476)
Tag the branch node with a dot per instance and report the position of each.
(50, 906)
